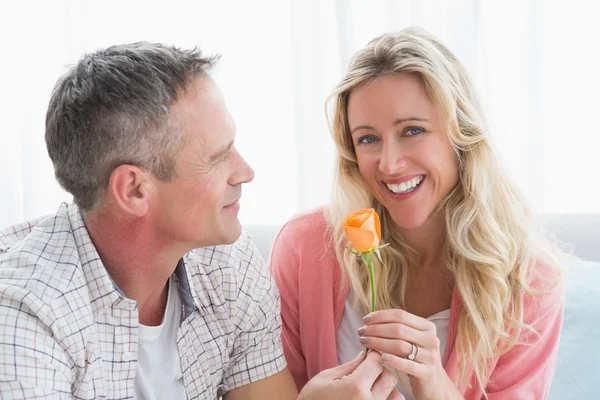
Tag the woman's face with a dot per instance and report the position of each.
(403, 151)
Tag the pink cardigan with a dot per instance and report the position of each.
(305, 269)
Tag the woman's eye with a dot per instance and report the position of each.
(414, 131)
(367, 139)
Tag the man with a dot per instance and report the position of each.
(145, 287)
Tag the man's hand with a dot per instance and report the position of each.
(361, 378)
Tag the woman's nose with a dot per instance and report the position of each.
(392, 160)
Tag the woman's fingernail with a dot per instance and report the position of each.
(386, 357)
(367, 318)
(361, 331)
(364, 340)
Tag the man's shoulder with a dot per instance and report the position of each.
(232, 258)
(226, 272)
(39, 257)
(44, 294)
(13, 234)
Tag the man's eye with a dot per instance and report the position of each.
(225, 156)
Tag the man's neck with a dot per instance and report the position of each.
(138, 261)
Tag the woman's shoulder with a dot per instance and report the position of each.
(308, 227)
(306, 239)
(545, 294)
(546, 274)
(528, 365)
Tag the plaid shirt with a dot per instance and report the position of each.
(67, 331)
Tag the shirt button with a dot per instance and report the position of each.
(127, 356)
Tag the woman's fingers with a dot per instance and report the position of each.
(399, 316)
(411, 368)
(398, 331)
(399, 348)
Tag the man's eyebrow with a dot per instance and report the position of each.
(396, 122)
(218, 155)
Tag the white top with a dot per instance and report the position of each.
(348, 346)
(158, 374)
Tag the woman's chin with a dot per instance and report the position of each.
(408, 221)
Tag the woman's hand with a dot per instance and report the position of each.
(393, 333)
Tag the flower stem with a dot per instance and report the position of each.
(368, 259)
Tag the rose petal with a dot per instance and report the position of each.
(372, 224)
(377, 227)
(357, 218)
(362, 240)
(369, 223)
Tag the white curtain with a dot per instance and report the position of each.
(534, 63)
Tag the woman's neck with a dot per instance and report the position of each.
(427, 240)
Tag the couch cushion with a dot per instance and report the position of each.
(577, 372)
(579, 233)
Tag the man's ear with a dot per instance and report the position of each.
(130, 188)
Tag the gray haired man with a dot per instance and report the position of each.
(146, 286)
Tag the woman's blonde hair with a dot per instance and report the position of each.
(490, 244)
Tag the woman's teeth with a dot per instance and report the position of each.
(406, 187)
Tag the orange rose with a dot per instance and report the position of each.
(363, 229)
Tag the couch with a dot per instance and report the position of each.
(578, 370)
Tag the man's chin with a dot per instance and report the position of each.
(232, 239)
(231, 234)
(236, 233)
(224, 236)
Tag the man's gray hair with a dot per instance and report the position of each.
(112, 108)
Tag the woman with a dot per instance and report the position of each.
(469, 294)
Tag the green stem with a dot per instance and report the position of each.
(368, 259)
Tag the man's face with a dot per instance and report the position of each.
(199, 207)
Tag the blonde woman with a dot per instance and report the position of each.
(469, 294)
